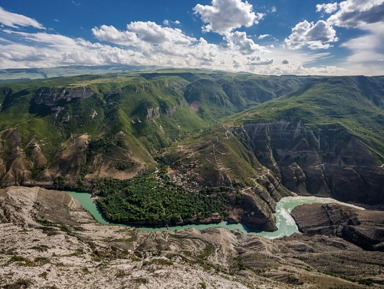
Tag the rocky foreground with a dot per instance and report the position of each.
(364, 228)
(48, 241)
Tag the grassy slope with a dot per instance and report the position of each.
(344, 108)
(123, 100)
(354, 103)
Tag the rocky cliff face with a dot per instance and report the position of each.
(270, 159)
(15, 166)
(52, 97)
(219, 160)
(325, 161)
(364, 228)
(77, 162)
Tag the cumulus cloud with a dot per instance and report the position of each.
(223, 16)
(142, 32)
(140, 48)
(365, 50)
(51, 50)
(355, 13)
(153, 33)
(147, 43)
(317, 35)
(239, 41)
(327, 8)
(16, 20)
(257, 60)
(111, 34)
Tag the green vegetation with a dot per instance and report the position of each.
(95, 132)
(121, 273)
(141, 281)
(153, 199)
(42, 260)
(22, 261)
(366, 282)
(40, 248)
(353, 103)
(158, 261)
(153, 108)
(21, 283)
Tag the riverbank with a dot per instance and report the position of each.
(284, 221)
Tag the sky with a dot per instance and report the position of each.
(258, 36)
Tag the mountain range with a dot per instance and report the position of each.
(167, 147)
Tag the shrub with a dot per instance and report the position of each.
(21, 283)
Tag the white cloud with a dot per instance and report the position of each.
(354, 13)
(262, 36)
(139, 32)
(235, 64)
(16, 20)
(239, 41)
(147, 43)
(226, 15)
(156, 34)
(167, 22)
(111, 34)
(327, 8)
(51, 50)
(256, 61)
(366, 51)
(317, 35)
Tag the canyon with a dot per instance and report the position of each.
(176, 147)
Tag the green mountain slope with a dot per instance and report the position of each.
(325, 138)
(236, 142)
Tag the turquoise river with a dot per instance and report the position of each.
(284, 221)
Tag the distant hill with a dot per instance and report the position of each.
(162, 142)
(20, 74)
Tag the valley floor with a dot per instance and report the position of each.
(48, 241)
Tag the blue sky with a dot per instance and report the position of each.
(259, 36)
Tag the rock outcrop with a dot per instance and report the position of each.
(364, 228)
(327, 161)
(53, 97)
(153, 113)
